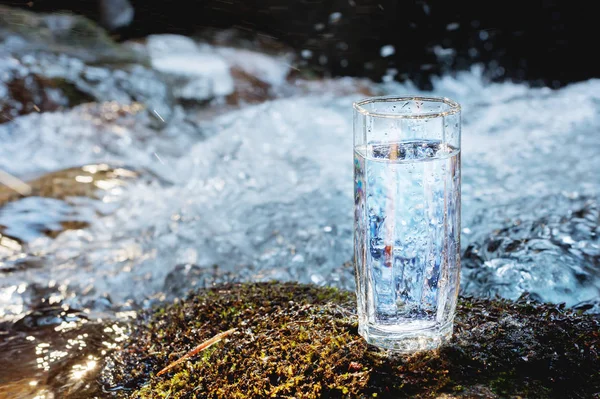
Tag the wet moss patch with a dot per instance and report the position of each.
(301, 341)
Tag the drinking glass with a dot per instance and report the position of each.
(407, 220)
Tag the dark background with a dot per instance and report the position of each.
(550, 43)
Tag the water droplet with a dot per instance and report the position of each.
(335, 17)
(387, 50)
(306, 53)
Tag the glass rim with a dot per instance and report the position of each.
(454, 107)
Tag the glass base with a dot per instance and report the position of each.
(406, 341)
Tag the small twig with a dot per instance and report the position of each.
(197, 350)
(14, 183)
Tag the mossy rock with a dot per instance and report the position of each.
(63, 32)
(301, 341)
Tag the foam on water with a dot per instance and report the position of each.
(269, 195)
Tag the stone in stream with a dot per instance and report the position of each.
(48, 82)
(52, 205)
(297, 340)
(54, 61)
(26, 93)
(82, 181)
(23, 32)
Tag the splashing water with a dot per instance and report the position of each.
(269, 195)
(266, 193)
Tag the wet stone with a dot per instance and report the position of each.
(22, 32)
(50, 62)
(59, 81)
(54, 203)
(73, 182)
(22, 94)
(49, 316)
(59, 354)
(50, 206)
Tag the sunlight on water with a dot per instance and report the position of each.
(268, 195)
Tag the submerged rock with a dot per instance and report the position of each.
(301, 341)
(50, 205)
(73, 182)
(23, 93)
(63, 82)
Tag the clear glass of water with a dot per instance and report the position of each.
(407, 220)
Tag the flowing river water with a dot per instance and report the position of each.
(123, 214)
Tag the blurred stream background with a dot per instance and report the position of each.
(148, 148)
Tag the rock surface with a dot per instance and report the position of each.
(64, 200)
(23, 31)
(54, 61)
(51, 62)
(301, 341)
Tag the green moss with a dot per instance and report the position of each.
(301, 341)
